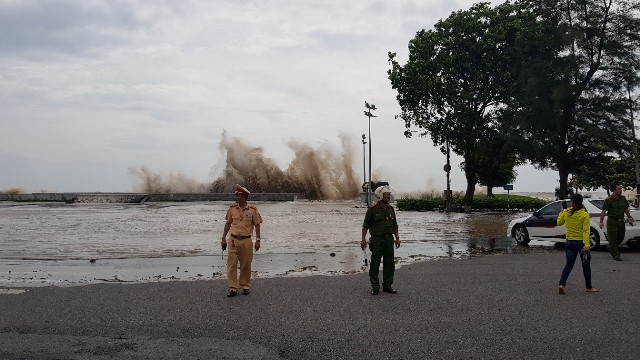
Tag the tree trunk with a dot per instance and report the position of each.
(562, 160)
(489, 191)
(564, 177)
(468, 196)
(472, 180)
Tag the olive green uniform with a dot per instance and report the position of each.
(382, 225)
(615, 208)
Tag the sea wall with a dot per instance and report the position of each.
(37, 197)
(142, 197)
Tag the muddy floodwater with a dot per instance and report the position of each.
(72, 244)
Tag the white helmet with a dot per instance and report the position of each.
(381, 190)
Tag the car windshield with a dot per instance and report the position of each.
(551, 209)
(597, 203)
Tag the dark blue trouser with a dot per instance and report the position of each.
(381, 248)
(571, 249)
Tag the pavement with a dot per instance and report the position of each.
(502, 306)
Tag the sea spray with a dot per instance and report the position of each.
(154, 182)
(319, 173)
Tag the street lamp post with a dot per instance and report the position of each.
(367, 113)
(447, 169)
(364, 159)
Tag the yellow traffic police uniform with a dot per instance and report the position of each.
(240, 244)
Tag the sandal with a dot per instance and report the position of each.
(592, 290)
(561, 289)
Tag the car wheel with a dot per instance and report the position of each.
(521, 234)
(594, 238)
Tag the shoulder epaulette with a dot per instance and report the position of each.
(252, 207)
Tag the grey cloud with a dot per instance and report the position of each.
(124, 82)
(66, 27)
(340, 41)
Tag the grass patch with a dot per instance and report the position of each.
(498, 202)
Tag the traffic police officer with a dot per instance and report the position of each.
(615, 206)
(241, 218)
(381, 223)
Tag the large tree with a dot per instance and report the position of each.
(454, 84)
(571, 107)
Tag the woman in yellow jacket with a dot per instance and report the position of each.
(578, 242)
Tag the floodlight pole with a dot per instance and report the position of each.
(369, 185)
(447, 168)
(364, 159)
(367, 113)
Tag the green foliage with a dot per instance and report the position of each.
(454, 85)
(549, 78)
(602, 174)
(499, 202)
(496, 163)
(574, 60)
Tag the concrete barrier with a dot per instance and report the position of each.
(109, 198)
(46, 197)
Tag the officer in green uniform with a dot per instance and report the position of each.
(381, 223)
(615, 206)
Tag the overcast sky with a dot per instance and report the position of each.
(89, 88)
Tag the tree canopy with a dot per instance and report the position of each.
(545, 77)
(453, 86)
(570, 108)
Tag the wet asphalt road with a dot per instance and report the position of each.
(502, 306)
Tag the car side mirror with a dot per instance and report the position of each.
(536, 214)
